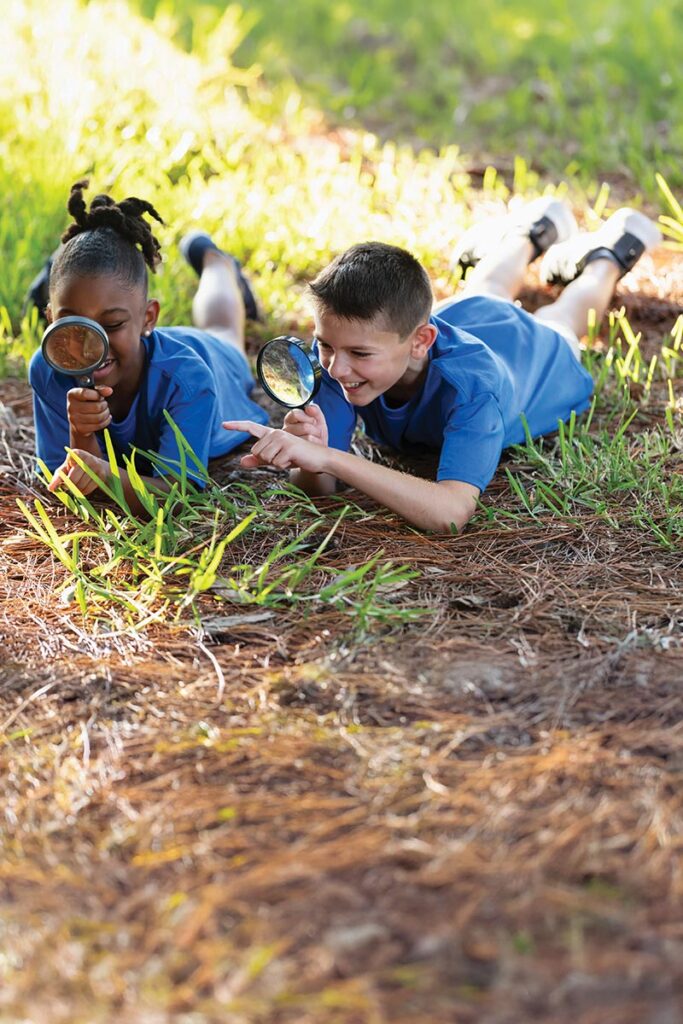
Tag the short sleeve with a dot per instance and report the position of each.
(52, 432)
(473, 442)
(193, 417)
(49, 413)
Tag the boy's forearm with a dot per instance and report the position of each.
(424, 503)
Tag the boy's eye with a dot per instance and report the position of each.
(360, 355)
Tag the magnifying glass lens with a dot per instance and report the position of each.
(288, 373)
(74, 347)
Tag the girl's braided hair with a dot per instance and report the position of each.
(109, 238)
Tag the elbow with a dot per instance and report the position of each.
(448, 521)
(455, 504)
(450, 516)
(454, 523)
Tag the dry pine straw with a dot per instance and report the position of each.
(475, 819)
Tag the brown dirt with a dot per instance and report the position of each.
(477, 819)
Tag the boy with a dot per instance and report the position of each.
(456, 381)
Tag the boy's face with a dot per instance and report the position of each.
(124, 312)
(366, 359)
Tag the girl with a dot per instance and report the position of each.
(199, 376)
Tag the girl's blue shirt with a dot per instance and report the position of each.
(492, 365)
(197, 378)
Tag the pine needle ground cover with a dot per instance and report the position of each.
(266, 760)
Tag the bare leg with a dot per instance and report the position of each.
(218, 307)
(498, 275)
(592, 290)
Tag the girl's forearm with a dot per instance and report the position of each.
(134, 503)
(85, 442)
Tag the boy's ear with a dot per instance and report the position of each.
(424, 337)
(48, 313)
(151, 315)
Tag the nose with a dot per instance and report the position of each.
(336, 366)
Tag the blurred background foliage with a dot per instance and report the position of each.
(594, 85)
(290, 131)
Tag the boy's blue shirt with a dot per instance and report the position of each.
(491, 363)
(199, 379)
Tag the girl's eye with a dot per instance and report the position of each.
(112, 327)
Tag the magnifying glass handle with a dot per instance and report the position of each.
(86, 381)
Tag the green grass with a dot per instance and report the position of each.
(608, 463)
(212, 146)
(122, 571)
(585, 90)
(208, 150)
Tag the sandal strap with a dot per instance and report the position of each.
(542, 234)
(625, 253)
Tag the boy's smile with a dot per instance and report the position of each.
(367, 360)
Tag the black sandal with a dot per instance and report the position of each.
(193, 247)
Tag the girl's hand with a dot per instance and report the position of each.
(308, 423)
(280, 448)
(78, 476)
(87, 410)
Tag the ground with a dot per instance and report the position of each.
(475, 817)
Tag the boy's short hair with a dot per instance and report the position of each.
(372, 280)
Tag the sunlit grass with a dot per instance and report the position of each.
(201, 140)
(125, 571)
(212, 147)
(607, 464)
(581, 89)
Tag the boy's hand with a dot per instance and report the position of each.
(280, 449)
(78, 476)
(308, 423)
(87, 410)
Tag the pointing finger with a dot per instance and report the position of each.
(246, 427)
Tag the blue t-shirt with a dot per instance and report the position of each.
(491, 363)
(199, 379)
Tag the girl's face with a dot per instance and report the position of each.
(124, 312)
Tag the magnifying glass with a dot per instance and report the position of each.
(76, 346)
(288, 372)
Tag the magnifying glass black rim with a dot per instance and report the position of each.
(82, 321)
(315, 366)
